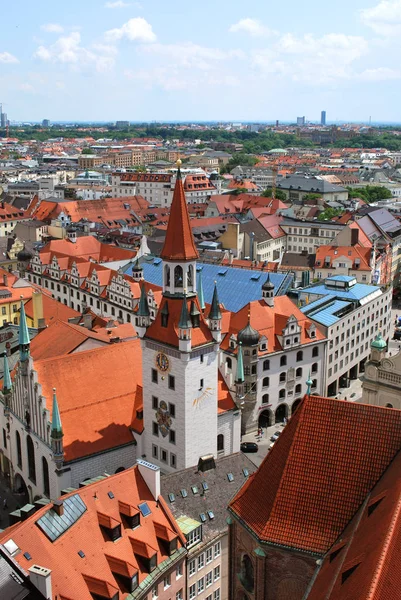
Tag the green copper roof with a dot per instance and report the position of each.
(379, 342)
(7, 385)
(143, 309)
(57, 430)
(201, 297)
(185, 320)
(215, 312)
(240, 366)
(23, 337)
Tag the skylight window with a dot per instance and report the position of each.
(184, 493)
(211, 514)
(245, 472)
(171, 497)
(202, 517)
(110, 495)
(144, 508)
(230, 477)
(194, 489)
(27, 556)
(205, 486)
(81, 554)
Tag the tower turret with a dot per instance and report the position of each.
(142, 318)
(378, 348)
(137, 270)
(268, 291)
(215, 316)
(56, 433)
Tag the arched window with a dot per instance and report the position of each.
(19, 451)
(167, 275)
(282, 377)
(315, 351)
(298, 388)
(298, 372)
(220, 442)
(178, 277)
(190, 276)
(229, 363)
(31, 459)
(314, 384)
(265, 398)
(300, 356)
(266, 365)
(246, 575)
(314, 368)
(46, 483)
(281, 394)
(388, 405)
(266, 382)
(283, 361)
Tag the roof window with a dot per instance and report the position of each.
(194, 489)
(210, 514)
(346, 574)
(110, 495)
(81, 554)
(205, 486)
(144, 508)
(184, 493)
(372, 507)
(230, 477)
(202, 517)
(245, 472)
(171, 497)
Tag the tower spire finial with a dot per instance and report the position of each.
(56, 430)
(201, 296)
(23, 334)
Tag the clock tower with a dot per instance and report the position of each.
(179, 357)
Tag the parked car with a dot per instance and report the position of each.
(249, 447)
(275, 436)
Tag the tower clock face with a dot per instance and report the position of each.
(162, 362)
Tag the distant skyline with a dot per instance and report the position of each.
(156, 61)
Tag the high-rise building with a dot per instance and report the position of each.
(46, 123)
(323, 118)
(3, 119)
(300, 121)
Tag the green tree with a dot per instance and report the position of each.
(239, 159)
(86, 151)
(370, 193)
(312, 196)
(239, 191)
(329, 213)
(267, 193)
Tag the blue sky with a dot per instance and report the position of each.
(212, 60)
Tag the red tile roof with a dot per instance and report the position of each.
(179, 243)
(99, 414)
(87, 247)
(53, 310)
(98, 571)
(372, 541)
(328, 458)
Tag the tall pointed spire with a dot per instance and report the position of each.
(240, 378)
(179, 243)
(185, 320)
(56, 430)
(7, 385)
(201, 296)
(143, 308)
(215, 312)
(23, 335)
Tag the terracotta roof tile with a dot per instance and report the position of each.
(326, 461)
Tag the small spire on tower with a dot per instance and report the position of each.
(56, 429)
(23, 335)
(240, 378)
(185, 320)
(143, 308)
(215, 312)
(201, 296)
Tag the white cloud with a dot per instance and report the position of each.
(312, 59)
(171, 79)
(7, 58)
(117, 4)
(52, 28)
(27, 87)
(68, 50)
(384, 18)
(193, 56)
(135, 30)
(251, 26)
(379, 74)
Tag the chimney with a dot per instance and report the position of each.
(151, 476)
(41, 578)
(38, 318)
(354, 236)
(87, 320)
(58, 507)
(5, 280)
